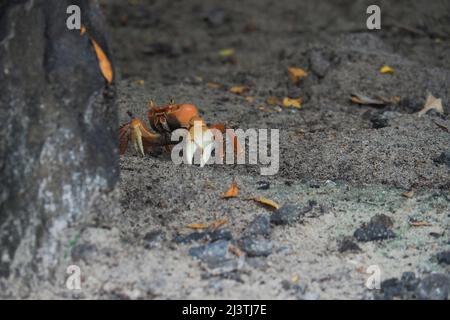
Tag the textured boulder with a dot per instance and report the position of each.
(58, 152)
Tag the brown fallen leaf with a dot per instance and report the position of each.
(408, 194)
(294, 103)
(266, 202)
(365, 100)
(416, 223)
(239, 89)
(232, 191)
(104, 63)
(386, 69)
(197, 226)
(250, 99)
(217, 224)
(235, 250)
(213, 85)
(431, 103)
(82, 30)
(273, 101)
(295, 74)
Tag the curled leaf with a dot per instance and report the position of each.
(267, 202)
(416, 223)
(197, 226)
(239, 89)
(294, 103)
(104, 63)
(82, 30)
(213, 85)
(295, 74)
(273, 101)
(232, 191)
(431, 103)
(217, 224)
(386, 69)
(226, 52)
(365, 100)
(408, 194)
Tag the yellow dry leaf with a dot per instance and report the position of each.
(226, 52)
(408, 194)
(238, 89)
(217, 224)
(387, 69)
(267, 202)
(82, 30)
(232, 191)
(250, 99)
(140, 82)
(295, 74)
(213, 85)
(431, 103)
(104, 63)
(294, 103)
(273, 101)
(197, 226)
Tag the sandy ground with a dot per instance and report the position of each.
(346, 163)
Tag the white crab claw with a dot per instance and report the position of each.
(202, 140)
(137, 141)
(207, 147)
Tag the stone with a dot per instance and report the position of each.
(256, 247)
(260, 226)
(377, 229)
(289, 214)
(444, 257)
(153, 239)
(211, 252)
(434, 287)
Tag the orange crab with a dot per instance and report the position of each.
(163, 121)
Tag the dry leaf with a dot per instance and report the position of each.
(213, 85)
(140, 82)
(105, 65)
(234, 250)
(294, 103)
(226, 52)
(239, 89)
(416, 223)
(295, 74)
(295, 278)
(408, 194)
(82, 30)
(273, 101)
(232, 191)
(365, 100)
(250, 99)
(267, 202)
(431, 103)
(197, 226)
(217, 224)
(387, 69)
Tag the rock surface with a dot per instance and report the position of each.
(58, 153)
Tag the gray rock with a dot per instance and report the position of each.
(434, 287)
(153, 239)
(85, 251)
(255, 247)
(212, 252)
(260, 226)
(58, 153)
(379, 228)
(444, 257)
(289, 214)
(444, 158)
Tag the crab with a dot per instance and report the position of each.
(163, 121)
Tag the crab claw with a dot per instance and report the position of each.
(201, 139)
(140, 137)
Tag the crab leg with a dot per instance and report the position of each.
(140, 136)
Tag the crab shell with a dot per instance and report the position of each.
(171, 117)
